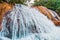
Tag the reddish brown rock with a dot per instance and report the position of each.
(48, 13)
(4, 7)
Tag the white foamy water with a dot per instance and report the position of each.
(25, 23)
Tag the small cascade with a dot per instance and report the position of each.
(25, 23)
(29, 2)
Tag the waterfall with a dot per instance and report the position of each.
(29, 2)
(25, 23)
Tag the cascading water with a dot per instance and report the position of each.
(25, 23)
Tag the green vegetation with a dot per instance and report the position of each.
(51, 4)
(13, 1)
(17, 1)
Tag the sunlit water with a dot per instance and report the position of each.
(25, 23)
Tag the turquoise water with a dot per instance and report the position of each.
(26, 23)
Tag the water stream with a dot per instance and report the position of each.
(25, 23)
